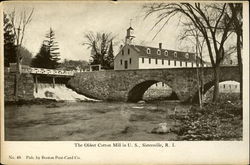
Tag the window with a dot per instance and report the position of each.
(162, 61)
(149, 60)
(122, 52)
(224, 86)
(148, 51)
(128, 51)
(186, 63)
(168, 62)
(121, 62)
(166, 53)
(235, 86)
(156, 84)
(187, 55)
(180, 63)
(162, 84)
(142, 60)
(130, 61)
(174, 63)
(159, 52)
(192, 64)
(175, 54)
(156, 61)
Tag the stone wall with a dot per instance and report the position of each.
(130, 85)
(26, 86)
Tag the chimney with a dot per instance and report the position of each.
(160, 45)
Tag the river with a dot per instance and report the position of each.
(89, 121)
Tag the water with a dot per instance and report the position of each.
(60, 92)
(88, 121)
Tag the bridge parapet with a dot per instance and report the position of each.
(51, 72)
(43, 71)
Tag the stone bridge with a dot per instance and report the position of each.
(130, 85)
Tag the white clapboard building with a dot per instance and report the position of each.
(133, 56)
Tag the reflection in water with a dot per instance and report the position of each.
(60, 92)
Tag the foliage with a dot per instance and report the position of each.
(48, 55)
(9, 42)
(101, 48)
(10, 47)
(74, 65)
(42, 59)
(26, 56)
(110, 57)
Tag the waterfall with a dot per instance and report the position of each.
(60, 92)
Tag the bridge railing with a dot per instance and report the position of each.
(51, 71)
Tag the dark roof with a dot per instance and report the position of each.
(142, 51)
(130, 28)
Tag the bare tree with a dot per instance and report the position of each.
(19, 23)
(193, 36)
(207, 19)
(236, 15)
(100, 45)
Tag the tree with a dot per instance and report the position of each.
(236, 16)
(10, 47)
(26, 56)
(48, 55)
(74, 64)
(52, 48)
(110, 57)
(9, 42)
(19, 24)
(211, 21)
(42, 59)
(193, 36)
(99, 44)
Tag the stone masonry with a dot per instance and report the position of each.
(26, 86)
(130, 85)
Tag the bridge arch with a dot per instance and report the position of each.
(209, 85)
(137, 90)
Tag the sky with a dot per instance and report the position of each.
(71, 20)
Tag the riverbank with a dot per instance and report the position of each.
(215, 121)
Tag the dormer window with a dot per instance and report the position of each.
(148, 51)
(166, 53)
(158, 52)
(175, 54)
(187, 55)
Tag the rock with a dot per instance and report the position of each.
(141, 102)
(191, 132)
(49, 94)
(162, 128)
(176, 130)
